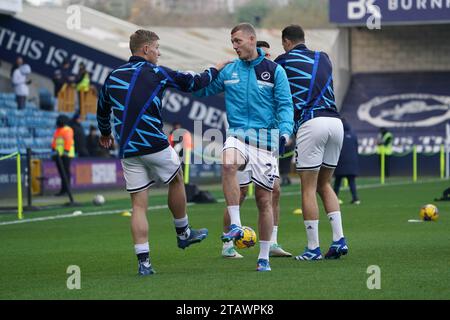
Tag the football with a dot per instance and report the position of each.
(248, 240)
(98, 200)
(429, 212)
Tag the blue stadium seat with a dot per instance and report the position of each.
(30, 127)
(91, 117)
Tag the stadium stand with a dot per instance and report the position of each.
(30, 127)
(378, 65)
(182, 48)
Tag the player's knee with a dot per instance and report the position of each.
(232, 160)
(319, 189)
(264, 205)
(178, 178)
(263, 200)
(139, 202)
(230, 168)
(323, 188)
(137, 205)
(243, 194)
(276, 193)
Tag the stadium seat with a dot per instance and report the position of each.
(30, 127)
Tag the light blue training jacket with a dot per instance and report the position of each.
(257, 96)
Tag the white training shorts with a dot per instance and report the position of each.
(260, 166)
(245, 177)
(141, 172)
(319, 143)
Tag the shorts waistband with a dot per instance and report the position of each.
(247, 142)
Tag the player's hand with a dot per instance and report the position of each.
(282, 146)
(290, 141)
(106, 141)
(220, 65)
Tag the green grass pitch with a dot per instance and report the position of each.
(414, 258)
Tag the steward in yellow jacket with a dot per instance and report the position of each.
(64, 150)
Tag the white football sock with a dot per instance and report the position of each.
(312, 233)
(182, 223)
(141, 248)
(336, 224)
(264, 247)
(235, 215)
(273, 239)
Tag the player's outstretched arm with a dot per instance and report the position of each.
(190, 81)
(221, 64)
(216, 87)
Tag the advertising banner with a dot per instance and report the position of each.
(8, 177)
(44, 51)
(358, 12)
(415, 107)
(86, 174)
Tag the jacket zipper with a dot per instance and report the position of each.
(248, 107)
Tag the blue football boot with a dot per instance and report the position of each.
(337, 249)
(234, 234)
(310, 255)
(145, 268)
(194, 237)
(263, 265)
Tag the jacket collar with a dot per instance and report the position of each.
(258, 60)
(300, 46)
(136, 59)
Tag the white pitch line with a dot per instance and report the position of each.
(366, 186)
(107, 212)
(70, 215)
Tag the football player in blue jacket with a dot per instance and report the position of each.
(133, 92)
(260, 117)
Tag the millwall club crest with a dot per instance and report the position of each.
(265, 75)
(406, 110)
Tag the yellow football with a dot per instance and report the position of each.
(429, 212)
(248, 240)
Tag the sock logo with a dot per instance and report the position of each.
(147, 263)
